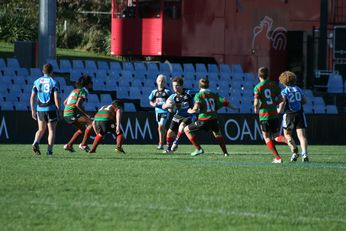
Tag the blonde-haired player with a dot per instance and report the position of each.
(157, 98)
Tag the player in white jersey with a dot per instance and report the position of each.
(294, 117)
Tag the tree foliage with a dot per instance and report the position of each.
(86, 28)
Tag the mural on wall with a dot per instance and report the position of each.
(277, 36)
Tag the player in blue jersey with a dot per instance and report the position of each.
(156, 99)
(46, 92)
(182, 101)
(294, 117)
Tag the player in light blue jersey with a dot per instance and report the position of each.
(294, 117)
(46, 92)
(156, 99)
(182, 101)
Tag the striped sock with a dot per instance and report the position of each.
(193, 141)
(74, 137)
(178, 137)
(96, 142)
(222, 144)
(281, 139)
(119, 140)
(86, 135)
(271, 147)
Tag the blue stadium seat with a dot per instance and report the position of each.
(75, 75)
(111, 85)
(135, 93)
(165, 68)
(224, 68)
(144, 102)
(136, 83)
(236, 68)
(105, 99)
(12, 63)
(115, 66)
(19, 81)
(140, 66)
(138, 74)
(335, 84)
(318, 101)
(15, 90)
(177, 69)
(128, 66)
(212, 68)
(66, 90)
(78, 65)
(35, 73)
(319, 109)
(152, 67)
(22, 72)
(91, 107)
(129, 107)
(93, 98)
(126, 75)
(10, 72)
(10, 97)
(90, 66)
(331, 109)
(200, 67)
(2, 64)
(124, 82)
(65, 66)
(98, 85)
(21, 107)
(308, 108)
(122, 93)
(188, 67)
(7, 106)
(102, 65)
(61, 81)
(101, 74)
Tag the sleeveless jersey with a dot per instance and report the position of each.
(107, 113)
(209, 103)
(183, 102)
(45, 87)
(160, 98)
(267, 93)
(293, 99)
(70, 107)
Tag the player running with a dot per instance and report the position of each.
(266, 98)
(48, 104)
(182, 101)
(294, 117)
(207, 104)
(157, 98)
(75, 114)
(108, 119)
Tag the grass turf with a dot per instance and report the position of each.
(148, 190)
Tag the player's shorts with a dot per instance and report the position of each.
(272, 125)
(208, 125)
(48, 116)
(161, 118)
(177, 120)
(72, 119)
(291, 121)
(103, 127)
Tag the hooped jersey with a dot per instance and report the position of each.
(183, 102)
(107, 113)
(70, 107)
(293, 96)
(209, 103)
(160, 98)
(267, 93)
(44, 87)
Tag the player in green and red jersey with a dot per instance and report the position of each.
(75, 114)
(207, 104)
(108, 119)
(267, 96)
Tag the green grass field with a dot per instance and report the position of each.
(148, 190)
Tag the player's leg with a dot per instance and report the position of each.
(191, 136)
(180, 132)
(42, 126)
(303, 144)
(169, 139)
(87, 132)
(291, 144)
(52, 121)
(267, 129)
(213, 125)
(161, 121)
(119, 141)
(99, 129)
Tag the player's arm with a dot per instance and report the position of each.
(32, 106)
(255, 104)
(57, 100)
(79, 106)
(228, 104)
(304, 100)
(167, 104)
(281, 104)
(194, 109)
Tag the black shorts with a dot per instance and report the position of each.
(177, 120)
(48, 116)
(72, 119)
(272, 125)
(161, 118)
(103, 127)
(291, 121)
(208, 125)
